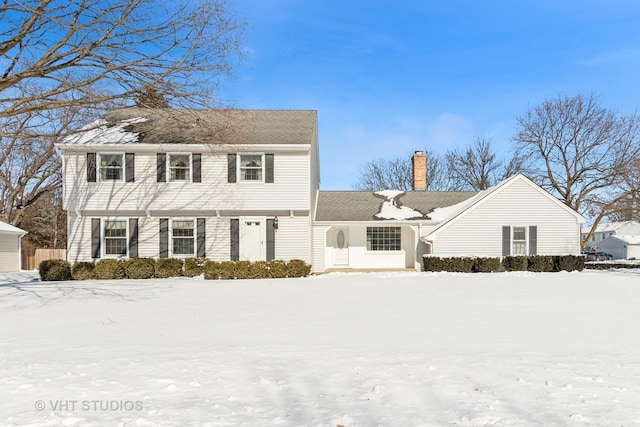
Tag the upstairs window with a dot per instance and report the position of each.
(111, 167)
(519, 241)
(183, 237)
(179, 167)
(251, 167)
(384, 239)
(115, 237)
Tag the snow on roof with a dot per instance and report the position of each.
(100, 132)
(390, 208)
(443, 214)
(7, 228)
(605, 227)
(632, 240)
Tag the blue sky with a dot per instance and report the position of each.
(388, 77)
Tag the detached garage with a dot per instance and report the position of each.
(10, 247)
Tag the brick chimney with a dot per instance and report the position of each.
(419, 168)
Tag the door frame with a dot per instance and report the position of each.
(263, 234)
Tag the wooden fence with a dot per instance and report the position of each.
(31, 258)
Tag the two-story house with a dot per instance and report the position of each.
(221, 184)
(244, 185)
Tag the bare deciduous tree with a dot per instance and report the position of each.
(477, 167)
(60, 51)
(396, 174)
(64, 62)
(584, 153)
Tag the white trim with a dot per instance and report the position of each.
(512, 240)
(495, 190)
(263, 233)
(103, 242)
(195, 237)
(99, 154)
(186, 147)
(168, 167)
(239, 167)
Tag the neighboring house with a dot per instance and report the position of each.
(621, 246)
(386, 229)
(10, 247)
(608, 229)
(244, 185)
(226, 185)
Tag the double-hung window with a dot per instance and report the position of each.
(183, 237)
(251, 167)
(115, 237)
(519, 240)
(111, 166)
(179, 167)
(384, 239)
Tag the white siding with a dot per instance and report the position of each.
(359, 257)
(9, 252)
(78, 238)
(293, 239)
(479, 231)
(290, 190)
(319, 261)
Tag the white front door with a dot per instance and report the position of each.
(341, 248)
(252, 239)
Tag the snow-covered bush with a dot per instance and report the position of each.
(212, 270)
(168, 267)
(83, 270)
(298, 268)
(54, 270)
(139, 268)
(109, 269)
(194, 266)
(277, 269)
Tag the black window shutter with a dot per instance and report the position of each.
(271, 240)
(506, 240)
(162, 165)
(201, 237)
(164, 238)
(133, 237)
(533, 240)
(91, 167)
(95, 238)
(268, 168)
(196, 159)
(130, 169)
(235, 239)
(231, 168)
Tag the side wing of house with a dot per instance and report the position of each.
(516, 218)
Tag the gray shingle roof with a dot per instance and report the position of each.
(363, 205)
(223, 126)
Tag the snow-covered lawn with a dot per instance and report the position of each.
(394, 349)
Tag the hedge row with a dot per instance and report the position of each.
(538, 263)
(147, 268)
(608, 265)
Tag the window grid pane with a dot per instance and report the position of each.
(251, 167)
(519, 245)
(115, 237)
(383, 239)
(179, 167)
(182, 234)
(111, 167)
